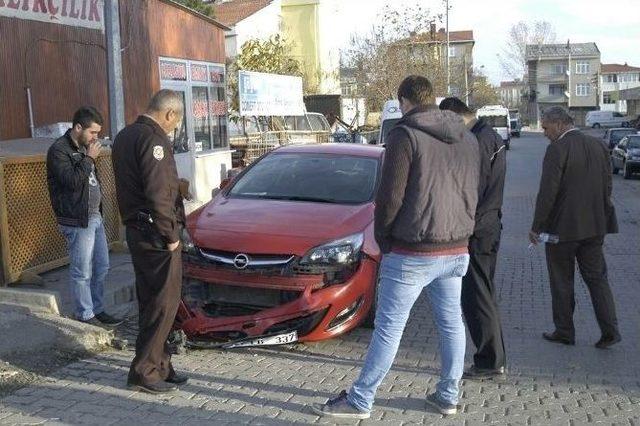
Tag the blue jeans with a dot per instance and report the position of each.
(88, 265)
(402, 279)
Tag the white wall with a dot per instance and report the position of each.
(330, 46)
(261, 25)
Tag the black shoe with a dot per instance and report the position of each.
(556, 337)
(154, 388)
(477, 373)
(177, 379)
(606, 341)
(107, 319)
(93, 321)
(340, 408)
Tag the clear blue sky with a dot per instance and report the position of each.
(613, 26)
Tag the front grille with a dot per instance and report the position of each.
(265, 264)
(218, 300)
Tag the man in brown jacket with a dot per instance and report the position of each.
(574, 203)
(151, 207)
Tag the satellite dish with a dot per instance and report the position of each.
(567, 93)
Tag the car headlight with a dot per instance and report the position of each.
(187, 243)
(338, 252)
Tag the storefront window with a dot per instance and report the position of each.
(203, 88)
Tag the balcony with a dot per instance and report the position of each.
(552, 78)
(552, 99)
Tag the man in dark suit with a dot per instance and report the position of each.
(574, 203)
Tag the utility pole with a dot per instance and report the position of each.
(447, 52)
(114, 66)
(466, 78)
(569, 74)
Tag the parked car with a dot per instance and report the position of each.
(286, 250)
(626, 156)
(515, 127)
(613, 136)
(391, 114)
(498, 117)
(597, 119)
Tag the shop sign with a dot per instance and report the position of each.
(269, 94)
(75, 13)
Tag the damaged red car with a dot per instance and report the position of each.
(286, 251)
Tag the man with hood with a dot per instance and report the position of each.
(479, 303)
(424, 216)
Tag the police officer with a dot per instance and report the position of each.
(151, 207)
(479, 301)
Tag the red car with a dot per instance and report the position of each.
(285, 251)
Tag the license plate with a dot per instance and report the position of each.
(278, 339)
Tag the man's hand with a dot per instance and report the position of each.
(534, 238)
(184, 189)
(173, 246)
(94, 148)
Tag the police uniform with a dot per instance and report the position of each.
(151, 207)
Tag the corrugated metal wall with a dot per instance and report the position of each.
(64, 66)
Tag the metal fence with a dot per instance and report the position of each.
(250, 147)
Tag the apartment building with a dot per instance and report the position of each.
(615, 78)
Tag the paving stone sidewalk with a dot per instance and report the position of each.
(548, 384)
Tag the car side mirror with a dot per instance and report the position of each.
(215, 192)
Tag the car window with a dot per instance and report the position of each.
(616, 135)
(290, 122)
(310, 177)
(302, 124)
(633, 142)
(617, 114)
(316, 123)
(496, 120)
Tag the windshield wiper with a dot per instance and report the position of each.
(300, 198)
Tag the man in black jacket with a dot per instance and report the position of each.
(151, 207)
(574, 203)
(76, 197)
(424, 216)
(479, 302)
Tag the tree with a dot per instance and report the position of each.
(269, 56)
(513, 57)
(482, 92)
(397, 46)
(199, 6)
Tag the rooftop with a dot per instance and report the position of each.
(616, 68)
(534, 51)
(233, 11)
(441, 35)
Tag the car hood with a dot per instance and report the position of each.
(634, 151)
(274, 226)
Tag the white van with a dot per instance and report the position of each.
(498, 117)
(391, 114)
(597, 119)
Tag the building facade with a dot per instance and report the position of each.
(511, 93)
(615, 78)
(564, 75)
(51, 68)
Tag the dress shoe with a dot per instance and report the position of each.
(556, 337)
(477, 373)
(606, 341)
(177, 379)
(107, 319)
(154, 388)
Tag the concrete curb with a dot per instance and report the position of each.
(43, 301)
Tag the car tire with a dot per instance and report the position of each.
(596, 125)
(626, 173)
(369, 320)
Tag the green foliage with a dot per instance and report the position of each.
(198, 6)
(268, 56)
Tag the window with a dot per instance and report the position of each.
(452, 51)
(628, 78)
(582, 67)
(583, 89)
(203, 88)
(611, 78)
(607, 99)
(557, 89)
(557, 69)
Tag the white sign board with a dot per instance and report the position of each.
(269, 94)
(75, 13)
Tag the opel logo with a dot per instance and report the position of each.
(241, 261)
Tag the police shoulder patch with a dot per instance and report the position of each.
(158, 152)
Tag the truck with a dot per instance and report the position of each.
(352, 111)
(498, 117)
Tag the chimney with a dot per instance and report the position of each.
(432, 30)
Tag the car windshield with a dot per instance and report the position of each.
(634, 142)
(312, 177)
(387, 125)
(616, 135)
(496, 120)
